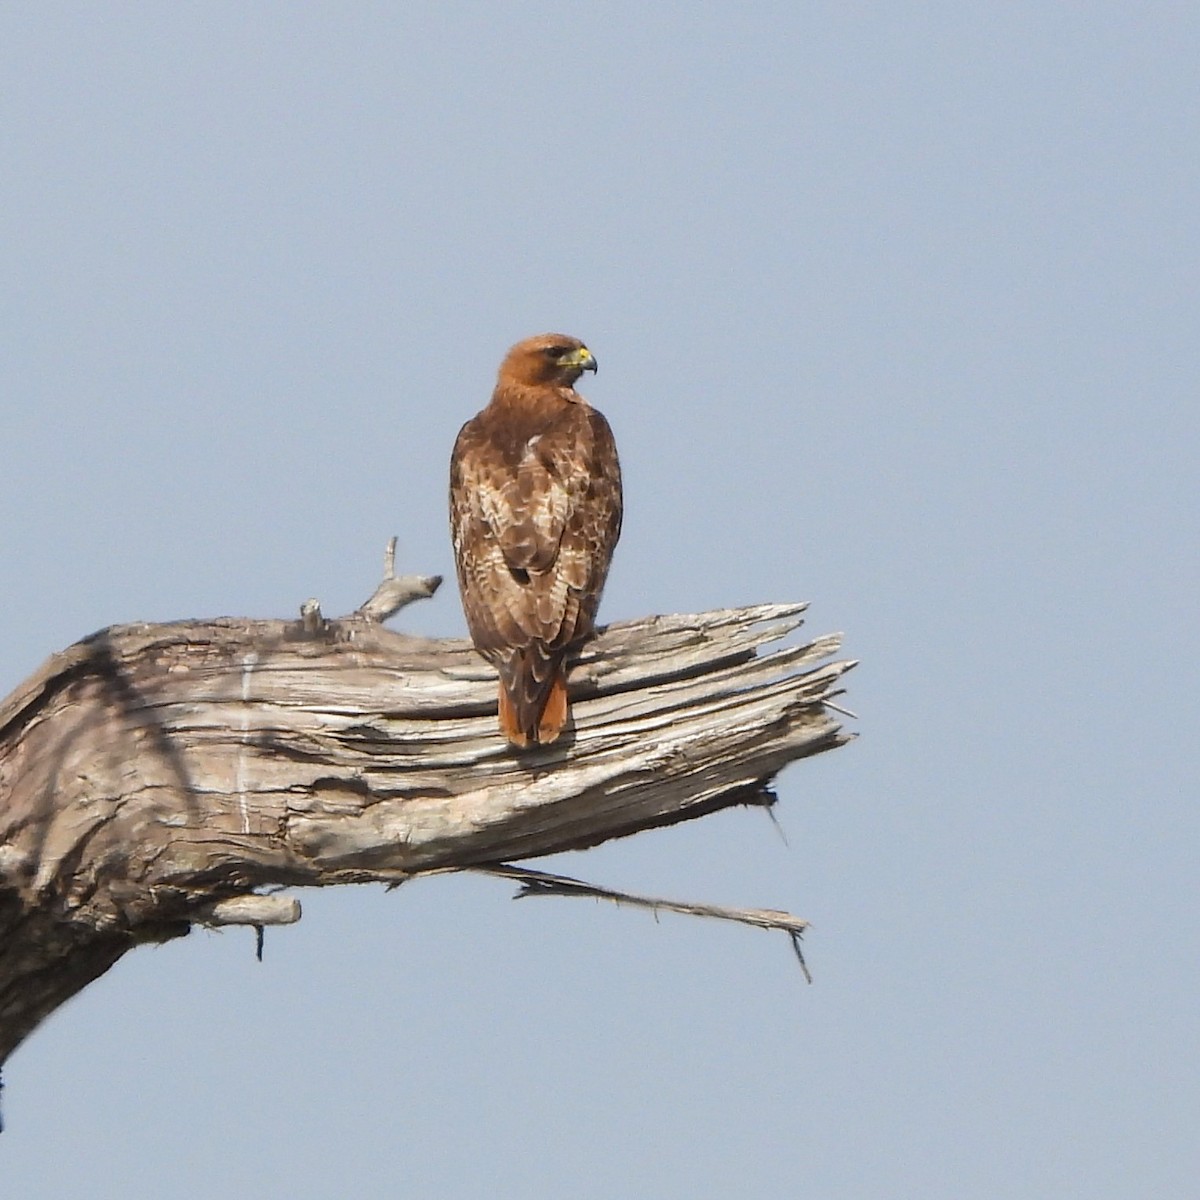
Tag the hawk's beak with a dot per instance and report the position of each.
(582, 358)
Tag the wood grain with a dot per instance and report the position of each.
(151, 772)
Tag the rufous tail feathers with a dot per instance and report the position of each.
(532, 710)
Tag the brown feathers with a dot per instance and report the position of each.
(535, 511)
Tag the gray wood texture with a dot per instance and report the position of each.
(153, 775)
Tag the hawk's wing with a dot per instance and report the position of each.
(535, 520)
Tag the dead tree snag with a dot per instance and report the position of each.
(153, 777)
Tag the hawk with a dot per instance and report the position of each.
(535, 511)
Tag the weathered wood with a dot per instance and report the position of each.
(151, 773)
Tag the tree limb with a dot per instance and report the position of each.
(542, 883)
(156, 776)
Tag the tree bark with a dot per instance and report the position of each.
(154, 776)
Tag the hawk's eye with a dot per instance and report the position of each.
(555, 351)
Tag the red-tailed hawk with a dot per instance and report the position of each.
(535, 511)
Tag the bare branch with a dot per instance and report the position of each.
(541, 883)
(396, 591)
(251, 909)
(153, 777)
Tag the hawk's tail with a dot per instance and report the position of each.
(533, 695)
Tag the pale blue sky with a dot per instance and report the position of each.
(896, 312)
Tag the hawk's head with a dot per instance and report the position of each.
(549, 358)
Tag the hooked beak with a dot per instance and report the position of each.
(583, 359)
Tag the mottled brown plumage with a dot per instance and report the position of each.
(535, 511)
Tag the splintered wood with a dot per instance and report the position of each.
(151, 772)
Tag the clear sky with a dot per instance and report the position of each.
(896, 312)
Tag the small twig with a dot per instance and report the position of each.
(396, 591)
(779, 829)
(541, 883)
